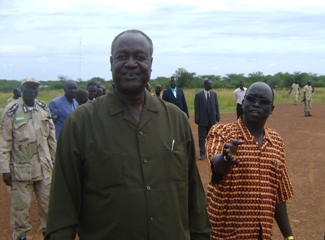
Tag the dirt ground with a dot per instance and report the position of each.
(304, 138)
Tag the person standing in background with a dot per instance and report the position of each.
(27, 147)
(62, 106)
(82, 96)
(296, 91)
(157, 92)
(207, 113)
(17, 95)
(175, 96)
(308, 92)
(239, 94)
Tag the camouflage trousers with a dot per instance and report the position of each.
(21, 196)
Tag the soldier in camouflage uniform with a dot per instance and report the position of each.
(27, 150)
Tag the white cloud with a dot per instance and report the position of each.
(42, 59)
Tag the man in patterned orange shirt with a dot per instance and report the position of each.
(249, 182)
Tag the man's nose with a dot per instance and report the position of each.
(130, 62)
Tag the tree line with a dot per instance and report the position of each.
(186, 79)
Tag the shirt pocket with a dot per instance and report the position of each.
(22, 172)
(45, 127)
(175, 156)
(20, 132)
(104, 169)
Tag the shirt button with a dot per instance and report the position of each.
(151, 218)
(145, 160)
(141, 132)
(148, 188)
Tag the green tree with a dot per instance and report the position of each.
(184, 78)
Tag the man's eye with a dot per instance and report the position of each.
(142, 58)
(121, 57)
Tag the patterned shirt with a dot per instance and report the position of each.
(245, 198)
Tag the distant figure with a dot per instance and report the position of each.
(175, 96)
(249, 183)
(148, 87)
(82, 96)
(157, 92)
(308, 90)
(99, 92)
(239, 94)
(296, 91)
(62, 106)
(104, 89)
(27, 146)
(92, 88)
(125, 166)
(92, 92)
(17, 95)
(206, 113)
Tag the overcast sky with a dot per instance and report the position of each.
(72, 38)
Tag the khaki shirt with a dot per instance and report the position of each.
(308, 90)
(295, 88)
(27, 141)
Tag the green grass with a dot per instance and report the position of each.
(225, 97)
(227, 103)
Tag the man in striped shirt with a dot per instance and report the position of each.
(249, 182)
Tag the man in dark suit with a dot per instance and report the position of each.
(206, 113)
(175, 95)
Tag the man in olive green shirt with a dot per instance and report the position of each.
(113, 178)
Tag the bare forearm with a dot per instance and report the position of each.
(282, 219)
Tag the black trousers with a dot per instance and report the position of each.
(203, 132)
(239, 110)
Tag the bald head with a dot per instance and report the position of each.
(70, 89)
(257, 104)
(263, 86)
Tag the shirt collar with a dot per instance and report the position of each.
(25, 107)
(249, 137)
(116, 105)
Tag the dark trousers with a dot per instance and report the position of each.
(239, 110)
(203, 132)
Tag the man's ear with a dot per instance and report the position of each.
(272, 109)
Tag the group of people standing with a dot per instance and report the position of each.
(125, 164)
(29, 131)
(308, 91)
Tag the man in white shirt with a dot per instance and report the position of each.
(239, 94)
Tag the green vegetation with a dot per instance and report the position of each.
(192, 83)
(225, 97)
(227, 103)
